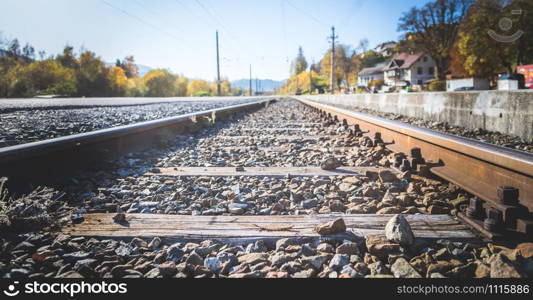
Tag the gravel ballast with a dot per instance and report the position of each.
(260, 139)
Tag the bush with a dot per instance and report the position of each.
(377, 83)
(202, 94)
(437, 86)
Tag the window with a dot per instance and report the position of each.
(420, 71)
(419, 81)
(425, 59)
(431, 71)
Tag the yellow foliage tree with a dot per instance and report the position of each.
(118, 81)
(199, 87)
(182, 84)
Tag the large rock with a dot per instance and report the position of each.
(501, 267)
(381, 247)
(333, 227)
(339, 261)
(253, 258)
(330, 164)
(526, 250)
(348, 248)
(316, 262)
(399, 231)
(402, 269)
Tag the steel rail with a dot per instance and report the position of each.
(477, 167)
(33, 160)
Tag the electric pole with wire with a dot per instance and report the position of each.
(219, 90)
(333, 37)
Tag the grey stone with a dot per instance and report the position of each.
(339, 261)
(402, 269)
(399, 231)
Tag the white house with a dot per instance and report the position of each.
(409, 70)
(367, 75)
(386, 49)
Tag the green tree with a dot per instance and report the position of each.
(68, 58)
(300, 63)
(371, 58)
(435, 28)
(92, 76)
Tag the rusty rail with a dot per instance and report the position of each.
(47, 162)
(502, 178)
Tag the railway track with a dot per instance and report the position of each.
(239, 192)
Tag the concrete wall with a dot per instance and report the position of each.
(508, 112)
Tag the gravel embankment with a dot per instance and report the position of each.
(125, 187)
(37, 124)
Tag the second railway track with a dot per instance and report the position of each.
(231, 183)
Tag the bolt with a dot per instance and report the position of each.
(475, 210)
(406, 166)
(493, 223)
(508, 195)
(416, 153)
(377, 138)
(398, 160)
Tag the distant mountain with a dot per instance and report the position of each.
(143, 70)
(265, 85)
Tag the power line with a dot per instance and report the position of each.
(306, 13)
(284, 26)
(233, 39)
(155, 13)
(354, 10)
(142, 21)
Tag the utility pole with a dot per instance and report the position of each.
(311, 78)
(219, 92)
(332, 75)
(251, 94)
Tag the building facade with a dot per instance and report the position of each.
(409, 70)
(367, 75)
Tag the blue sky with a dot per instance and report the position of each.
(180, 34)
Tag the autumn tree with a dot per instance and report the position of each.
(479, 53)
(160, 83)
(182, 84)
(342, 64)
(300, 63)
(435, 27)
(198, 88)
(118, 82)
(128, 65)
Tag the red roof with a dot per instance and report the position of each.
(403, 61)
